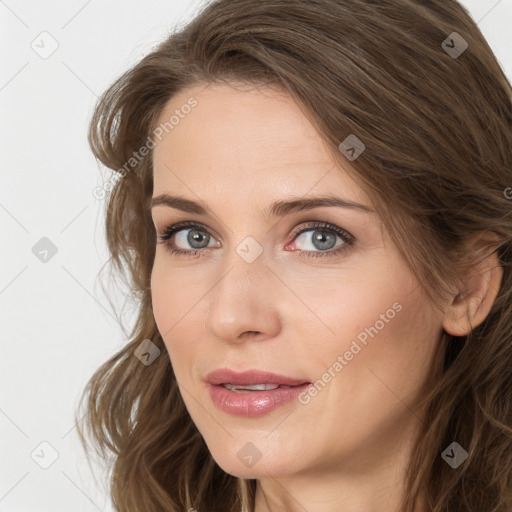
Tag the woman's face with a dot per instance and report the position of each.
(316, 294)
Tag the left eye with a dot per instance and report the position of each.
(321, 240)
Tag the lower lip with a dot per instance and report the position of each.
(253, 403)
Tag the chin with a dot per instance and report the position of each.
(240, 463)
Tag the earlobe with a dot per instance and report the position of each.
(469, 310)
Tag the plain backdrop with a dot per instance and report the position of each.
(56, 323)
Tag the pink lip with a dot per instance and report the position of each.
(252, 403)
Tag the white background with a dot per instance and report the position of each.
(56, 324)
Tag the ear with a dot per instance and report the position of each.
(470, 308)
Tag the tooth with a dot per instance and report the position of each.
(254, 387)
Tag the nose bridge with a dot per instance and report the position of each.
(244, 298)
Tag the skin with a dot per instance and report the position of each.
(238, 151)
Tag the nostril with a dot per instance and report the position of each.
(251, 333)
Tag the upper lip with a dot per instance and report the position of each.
(250, 378)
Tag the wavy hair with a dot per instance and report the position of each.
(438, 168)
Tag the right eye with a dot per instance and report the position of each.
(186, 233)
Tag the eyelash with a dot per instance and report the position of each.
(347, 238)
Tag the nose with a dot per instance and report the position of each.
(245, 303)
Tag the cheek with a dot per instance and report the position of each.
(352, 299)
(168, 299)
(163, 299)
(178, 312)
(386, 354)
(375, 316)
(173, 294)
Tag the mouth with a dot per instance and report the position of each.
(252, 393)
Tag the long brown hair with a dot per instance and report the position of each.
(437, 165)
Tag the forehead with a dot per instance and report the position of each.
(229, 122)
(244, 138)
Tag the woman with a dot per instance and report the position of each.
(311, 208)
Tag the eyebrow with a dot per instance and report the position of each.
(277, 209)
